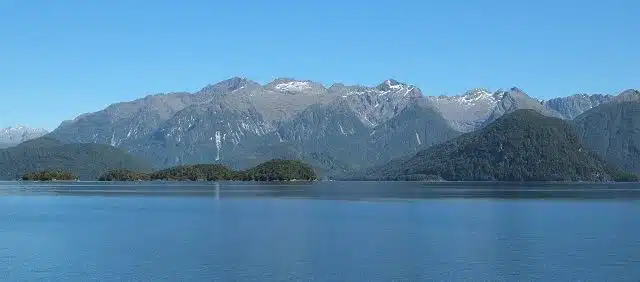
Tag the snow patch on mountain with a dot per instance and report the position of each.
(472, 98)
(293, 86)
(467, 111)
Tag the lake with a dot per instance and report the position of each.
(328, 231)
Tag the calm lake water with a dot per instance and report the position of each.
(338, 231)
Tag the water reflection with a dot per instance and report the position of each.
(337, 190)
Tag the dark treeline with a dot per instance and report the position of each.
(274, 170)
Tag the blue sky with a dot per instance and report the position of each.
(62, 58)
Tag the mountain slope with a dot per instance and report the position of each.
(520, 146)
(123, 122)
(613, 131)
(415, 128)
(88, 161)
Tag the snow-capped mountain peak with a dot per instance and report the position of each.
(390, 85)
(471, 98)
(20, 134)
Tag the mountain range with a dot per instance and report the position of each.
(338, 129)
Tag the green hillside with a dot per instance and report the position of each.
(87, 161)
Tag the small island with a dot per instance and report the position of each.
(123, 175)
(49, 175)
(280, 170)
(273, 170)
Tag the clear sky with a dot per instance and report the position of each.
(62, 58)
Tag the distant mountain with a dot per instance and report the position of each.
(88, 161)
(613, 131)
(11, 136)
(572, 106)
(523, 145)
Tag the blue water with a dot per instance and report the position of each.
(319, 232)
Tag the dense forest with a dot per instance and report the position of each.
(521, 146)
(274, 170)
(49, 175)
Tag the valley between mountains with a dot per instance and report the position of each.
(387, 131)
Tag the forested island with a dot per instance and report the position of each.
(49, 175)
(274, 170)
(124, 175)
